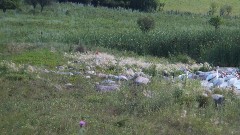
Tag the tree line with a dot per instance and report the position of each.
(141, 5)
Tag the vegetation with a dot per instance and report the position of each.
(40, 103)
(8, 4)
(226, 10)
(200, 6)
(32, 2)
(213, 8)
(144, 5)
(146, 23)
(173, 34)
(216, 22)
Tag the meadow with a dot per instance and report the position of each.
(32, 102)
(173, 35)
(200, 6)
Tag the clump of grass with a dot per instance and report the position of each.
(40, 57)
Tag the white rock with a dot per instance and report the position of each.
(129, 72)
(90, 72)
(108, 82)
(107, 88)
(142, 80)
(31, 69)
(64, 73)
(121, 77)
(88, 77)
(101, 75)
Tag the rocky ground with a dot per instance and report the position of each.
(112, 70)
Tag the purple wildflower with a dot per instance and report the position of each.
(82, 123)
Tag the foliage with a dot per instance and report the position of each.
(8, 4)
(170, 108)
(146, 23)
(144, 5)
(213, 8)
(173, 35)
(161, 6)
(216, 22)
(44, 3)
(226, 10)
(32, 2)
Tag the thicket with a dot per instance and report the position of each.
(42, 3)
(174, 35)
(141, 5)
(146, 23)
(8, 4)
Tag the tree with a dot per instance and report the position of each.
(44, 3)
(216, 22)
(144, 5)
(32, 2)
(8, 4)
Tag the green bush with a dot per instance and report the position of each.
(146, 23)
(213, 8)
(216, 22)
(226, 10)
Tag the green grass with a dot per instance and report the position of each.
(39, 57)
(35, 106)
(201, 6)
(40, 103)
(117, 29)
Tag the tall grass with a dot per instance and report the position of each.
(35, 106)
(117, 28)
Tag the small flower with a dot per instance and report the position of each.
(82, 123)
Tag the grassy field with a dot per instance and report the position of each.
(117, 29)
(40, 103)
(201, 6)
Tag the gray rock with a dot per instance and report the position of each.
(90, 72)
(64, 73)
(69, 85)
(121, 77)
(108, 82)
(141, 80)
(107, 88)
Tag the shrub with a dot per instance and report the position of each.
(81, 49)
(225, 10)
(213, 8)
(146, 23)
(216, 22)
